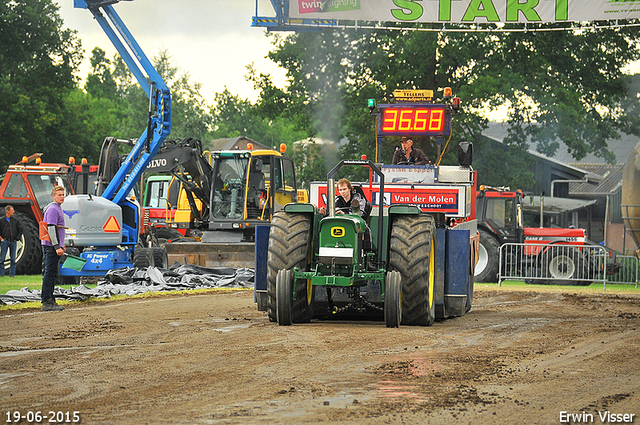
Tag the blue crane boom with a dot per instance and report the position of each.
(159, 124)
(105, 230)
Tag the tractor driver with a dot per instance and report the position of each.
(409, 155)
(345, 200)
(349, 200)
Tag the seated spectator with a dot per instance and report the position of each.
(409, 155)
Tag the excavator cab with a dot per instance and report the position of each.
(257, 193)
(230, 173)
(251, 185)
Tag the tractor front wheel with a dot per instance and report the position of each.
(289, 245)
(393, 299)
(284, 297)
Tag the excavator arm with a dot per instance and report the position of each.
(185, 158)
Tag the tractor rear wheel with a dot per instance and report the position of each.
(412, 253)
(28, 248)
(393, 299)
(284, 297)
(564, 266)
(289, 245)
(488, 258)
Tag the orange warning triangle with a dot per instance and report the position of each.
(111, 226)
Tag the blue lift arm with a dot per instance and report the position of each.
(159, 123)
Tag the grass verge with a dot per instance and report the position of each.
(594, 288)
(32, 281)
(35, 282)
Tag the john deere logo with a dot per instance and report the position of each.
(337, 232)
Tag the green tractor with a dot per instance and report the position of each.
(318, 265)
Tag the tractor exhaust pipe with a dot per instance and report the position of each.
(331, 202)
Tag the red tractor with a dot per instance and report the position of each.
(27, 187)
(500, 221)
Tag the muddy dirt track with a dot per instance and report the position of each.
(516, 358)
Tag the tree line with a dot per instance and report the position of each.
(556, 87)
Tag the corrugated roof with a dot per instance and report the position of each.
(498, 131)
(611, 180)
(608, 177)
(554, 205)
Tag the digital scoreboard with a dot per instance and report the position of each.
(414, 120)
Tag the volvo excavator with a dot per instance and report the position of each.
(221, 197)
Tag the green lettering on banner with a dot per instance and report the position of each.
(415, 10)
(474, 11)
(562, 10)
(527, 9)
(444, 11)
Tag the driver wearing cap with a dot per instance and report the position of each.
(409, 155)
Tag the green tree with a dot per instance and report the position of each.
(100, 82)
(233, 117)
(37, 60)
(189, 109)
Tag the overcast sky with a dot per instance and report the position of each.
(212, 40)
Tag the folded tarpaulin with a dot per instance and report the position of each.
(132, 281)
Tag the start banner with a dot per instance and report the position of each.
(467, 11)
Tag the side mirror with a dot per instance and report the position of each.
(465, 153)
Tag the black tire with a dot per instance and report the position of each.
(393, 299)
(289, 245)
(70, 280)
(564, 263)
(284, 297)
(143, 258)
(488, 258)
(471, 281)
(160, 257)
(412, 253)
(29, 248)
(167, 235)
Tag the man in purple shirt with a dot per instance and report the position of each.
(54, 250)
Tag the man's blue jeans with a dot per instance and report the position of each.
(51, 270)
(11, 246)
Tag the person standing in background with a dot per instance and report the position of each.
(10, 233)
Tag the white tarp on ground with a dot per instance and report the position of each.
(130, 281)
(467, 11)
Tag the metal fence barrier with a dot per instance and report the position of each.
(555, 264)
(624, 270)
